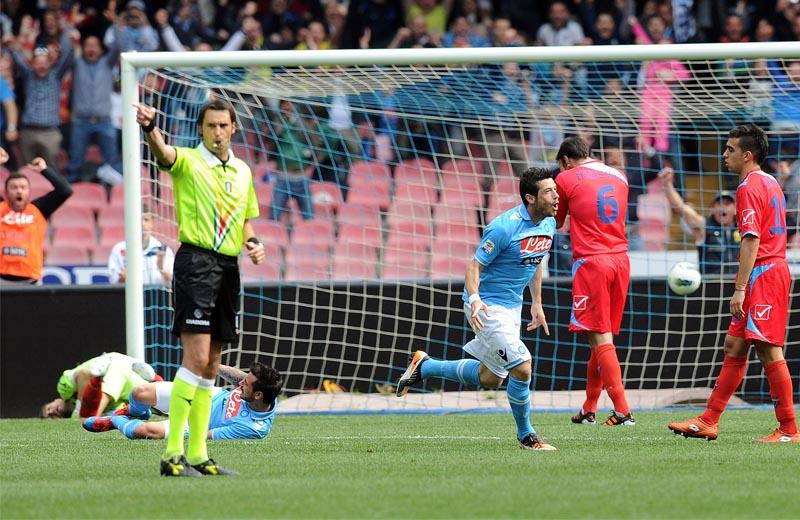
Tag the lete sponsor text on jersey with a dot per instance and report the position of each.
(535, 244)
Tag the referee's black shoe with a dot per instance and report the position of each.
(178, 467)
(210, 467)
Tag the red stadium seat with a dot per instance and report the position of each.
(415, 193)
(89, 195)
(355, 233)
(462, 190)
(327, 198)
(453, 248)
(315, 231)
(101, 254)
(270, 231)
(111, 216)
(369, 171)
(307, 272)
(110, 235)
(410, 218)
(81, 237)
(66, 255)
(72, 216)
(308, 254)
(368, 216)
(269, 271)
(405, 264)
(461, 167)
(354, 261)
(448, 268)
(370, 193)
(418, 172)
(456, 223)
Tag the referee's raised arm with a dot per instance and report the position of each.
(146, 118)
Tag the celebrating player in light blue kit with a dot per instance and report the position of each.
(246, 412)
(506, 260)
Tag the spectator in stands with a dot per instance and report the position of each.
(99, 384)
(336, 140)
(478, 14)
(158, 257)
(280, 26)
(433, 12)
(41, 85)
(463, 34)
(560, 30)
(92, 85)
(414, 36)
(783, 19)
(23, 223)
(786, 108)
(335, 16)
(189, 30)
(372, 23)
(716, 235)
(294, 155)
(131, 31)
(765, 31)
(313, 37)
(660, 77)
(9, 116)
(511, 93)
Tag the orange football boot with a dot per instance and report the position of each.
(779, 436)
(696, 427)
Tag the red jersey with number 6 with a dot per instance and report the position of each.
(761, 212)
(596, 197)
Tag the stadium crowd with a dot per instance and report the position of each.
(59, 83)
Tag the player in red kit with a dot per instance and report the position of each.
(760, 301)
(595, 196)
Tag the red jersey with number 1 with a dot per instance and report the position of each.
(596, 197)
(761, 211)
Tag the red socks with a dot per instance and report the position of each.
(611, 377)
(594, 385)
(90, 399)
(780, 389)
(731, 375)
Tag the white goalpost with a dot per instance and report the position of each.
(408, 153)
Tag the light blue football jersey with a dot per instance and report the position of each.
(232, 418)
(511, 249)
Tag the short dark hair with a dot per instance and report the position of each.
(15, 176)
(751, 139)
(215, 104)
(529, 181)
(573, 148)
(268, 381)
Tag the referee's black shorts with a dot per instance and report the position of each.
(206, 293)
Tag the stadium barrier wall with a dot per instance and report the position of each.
(46, 330)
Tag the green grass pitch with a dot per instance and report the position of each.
(417, 466)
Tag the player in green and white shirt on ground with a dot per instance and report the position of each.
(98, 385)
(214, 202)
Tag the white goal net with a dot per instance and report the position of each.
(376, 172)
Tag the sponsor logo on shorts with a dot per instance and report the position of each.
(537, 244)
(748, 216)
(488, 247)
(761, 312)
(198, 313)
(579, 302)
(191, 321)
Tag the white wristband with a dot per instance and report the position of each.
(474, 298)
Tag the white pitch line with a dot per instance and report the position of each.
(399, 437)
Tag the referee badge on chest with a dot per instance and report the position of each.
(228, 187)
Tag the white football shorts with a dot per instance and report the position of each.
(498, 345)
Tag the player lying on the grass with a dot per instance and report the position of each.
(245, 412)
(506, 260)
(98, 385)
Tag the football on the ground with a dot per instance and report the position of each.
(684, 278)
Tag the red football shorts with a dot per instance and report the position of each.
(766, 304)
(599, 291)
